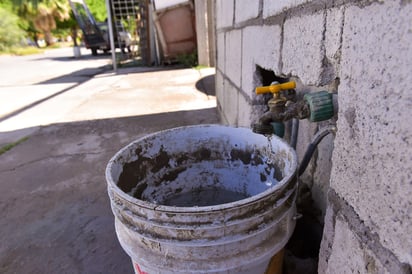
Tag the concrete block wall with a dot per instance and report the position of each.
(360, 179)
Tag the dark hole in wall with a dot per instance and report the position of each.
(268, 76)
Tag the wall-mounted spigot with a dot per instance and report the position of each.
(317, 106)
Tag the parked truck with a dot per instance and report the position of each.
(96, 35)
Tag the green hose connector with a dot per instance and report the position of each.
(320, 104)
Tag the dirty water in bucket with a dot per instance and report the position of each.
(201, 177)
(204, 197)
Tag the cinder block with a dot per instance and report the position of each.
(249, 114)
(302, 53)
(260, 46)
(372, 155)
(244, 119)
(246, 10)
(233, 56)
(220, 37)
(271, 8)
(224, 13)
(349, 255)
(219, 86)
(229, 103)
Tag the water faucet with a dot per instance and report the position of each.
(283, 106)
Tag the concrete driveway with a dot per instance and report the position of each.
(55, 212)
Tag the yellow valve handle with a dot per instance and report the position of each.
(276, 88)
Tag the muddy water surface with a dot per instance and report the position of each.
(204, 197)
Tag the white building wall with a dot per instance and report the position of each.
(361, 179)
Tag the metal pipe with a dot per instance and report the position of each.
(155, 39)
(322, 133)
(111, 35)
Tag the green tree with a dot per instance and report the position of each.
(70, 24)
(98, 9)
(43, 14)
(10, 33)
(23, 23)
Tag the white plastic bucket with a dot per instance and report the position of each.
(203, 199)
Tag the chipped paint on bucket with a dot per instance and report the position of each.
(203, 199)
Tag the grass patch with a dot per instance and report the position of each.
(9, 146)
(188, 60)
(22, 51)
(28, 50)
(61, 45)
(200, 67)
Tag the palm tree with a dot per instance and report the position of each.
(43, 14)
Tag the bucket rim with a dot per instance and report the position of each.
(198, 209)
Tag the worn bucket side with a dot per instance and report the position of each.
(158, 184)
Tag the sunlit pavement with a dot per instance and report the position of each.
(135, 91)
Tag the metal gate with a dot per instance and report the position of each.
(130, 22)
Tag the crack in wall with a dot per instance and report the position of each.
(260, 13)
(282, 38)
(327, 67)
(342, 27)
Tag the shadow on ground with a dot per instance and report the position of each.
(207, 85)
(102, 56)
(77, 78)
(56, 216)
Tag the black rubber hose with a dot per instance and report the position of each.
(322, 133)
(294, 134)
